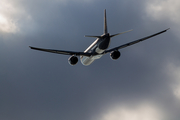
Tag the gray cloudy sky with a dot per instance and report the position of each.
(143, 84)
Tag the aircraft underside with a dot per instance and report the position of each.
(88, 60)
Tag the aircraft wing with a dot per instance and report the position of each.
(62, 52)
(134, 42)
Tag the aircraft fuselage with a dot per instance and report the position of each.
(96, 49)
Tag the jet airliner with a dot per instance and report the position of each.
(98, 48)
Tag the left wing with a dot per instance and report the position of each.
(134, 42)
(62, 52)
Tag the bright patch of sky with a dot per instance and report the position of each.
(143, 111)
(13, 16)
(165, 10)
(161, 9)
(7, 23)
(174, 73)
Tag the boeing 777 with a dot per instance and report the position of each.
(98, 48)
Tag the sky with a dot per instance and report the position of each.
(143, 84)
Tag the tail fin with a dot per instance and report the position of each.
(105, 23)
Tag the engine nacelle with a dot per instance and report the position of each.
(115, 55)
(73, 60)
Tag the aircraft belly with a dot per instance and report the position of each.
(87, 60)
(99, 50)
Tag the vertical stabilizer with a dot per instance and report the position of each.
(105, 22)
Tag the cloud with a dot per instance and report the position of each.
(168, 11)
(161, 9)
(143, 111)
(44, 86)
(8, 25)
(17, 16)
(13, 17)
(165, 11)
(173, 71)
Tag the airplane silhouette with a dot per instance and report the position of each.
(98, 48)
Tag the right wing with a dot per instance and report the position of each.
(62, 52)
(134, 42)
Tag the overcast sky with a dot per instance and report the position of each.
(143, 84)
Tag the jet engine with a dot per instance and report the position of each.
(115, 55)
(73, 60)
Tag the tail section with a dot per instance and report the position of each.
(106, 29)
(105, 23)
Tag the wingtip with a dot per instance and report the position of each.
(30, 47)
(167, 29)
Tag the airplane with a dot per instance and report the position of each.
(98, 48)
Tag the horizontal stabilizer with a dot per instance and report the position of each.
(92, 36)
(120, 33)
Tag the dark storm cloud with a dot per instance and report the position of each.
(37, 85)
